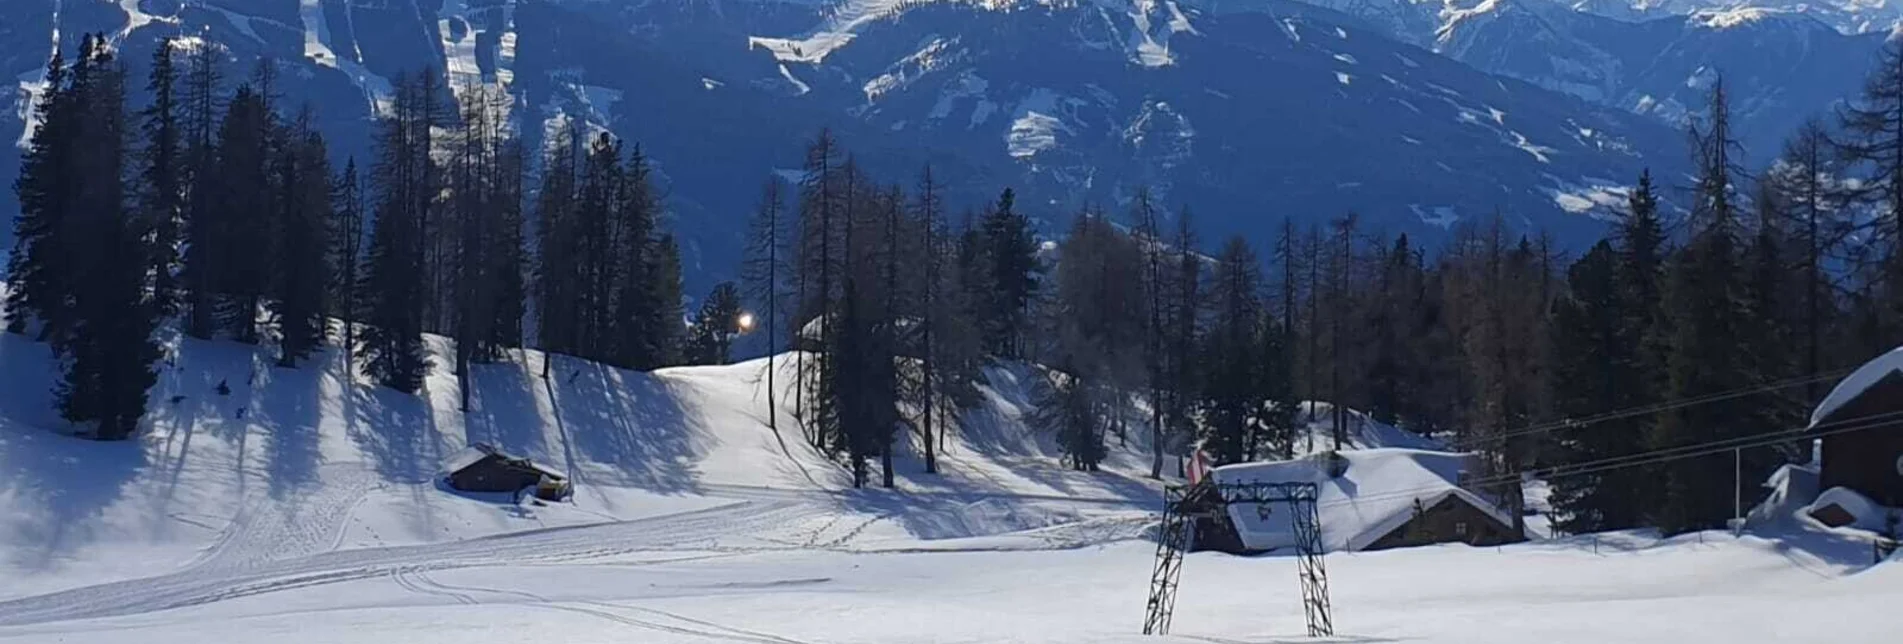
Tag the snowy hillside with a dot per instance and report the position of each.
(298, 463)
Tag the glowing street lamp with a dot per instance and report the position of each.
(745, 322)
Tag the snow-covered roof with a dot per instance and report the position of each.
(1375, 494)
(467, 457)
(1857, 382)
(475, 452)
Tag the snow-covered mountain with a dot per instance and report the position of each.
(1245, 116)
(1782, 67)
(1847, 16)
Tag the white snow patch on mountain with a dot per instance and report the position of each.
(136, 18)
(799, 87)
(843, 21)
(1601, 199)
(1343, 78)
(1033, 132)
(1538, 151)
(32, 84)
(934, 54)
(1346, 58)
(1729, 17)
(1443, 216)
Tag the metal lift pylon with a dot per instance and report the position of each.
(1176, 534)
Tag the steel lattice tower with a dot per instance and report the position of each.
(1176, 534)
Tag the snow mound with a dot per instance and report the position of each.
(1865, 514)
(1791, 487)
(1863, 378)
(1378, 491)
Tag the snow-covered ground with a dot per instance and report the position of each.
(302, 507)
(294, 465)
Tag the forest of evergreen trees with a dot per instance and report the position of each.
(1724, 319)
(209, 207)
(210, 210)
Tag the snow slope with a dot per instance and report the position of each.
(300, 463)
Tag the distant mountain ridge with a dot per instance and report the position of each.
(1245, 112)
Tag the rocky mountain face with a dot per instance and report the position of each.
(1244, 111)
(1786, 62)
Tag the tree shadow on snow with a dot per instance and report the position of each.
(59, 482)
(502, 410)
(295, 398)
(630, 422)
(397, 431)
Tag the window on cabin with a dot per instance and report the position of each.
(1460, 528)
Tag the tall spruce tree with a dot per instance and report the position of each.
(39, 266)
(1598, 362)
(301, 268)
(1235, 390)
(347, 249)
(205, 221)
(1013, 265)
(108, 350)
(1705, 296)
(396, 284)
(239, 224)
(162, 188)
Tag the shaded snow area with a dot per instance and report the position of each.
(1376, 491)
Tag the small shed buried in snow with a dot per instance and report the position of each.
(1860, 428)
(484, 468)
(1368, 500)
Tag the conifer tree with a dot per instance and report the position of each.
(666, 320)
(239, 222)
(710, 341)
(162, 189)
(302, 230)
(205, 221)
(395, 284)
(557, 275)
(1705, 305)
(347, 250)
(107, 350)
(1234, 390)
(1598, 359)
(1012, 255)
(1155, 360)
(38, 267)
